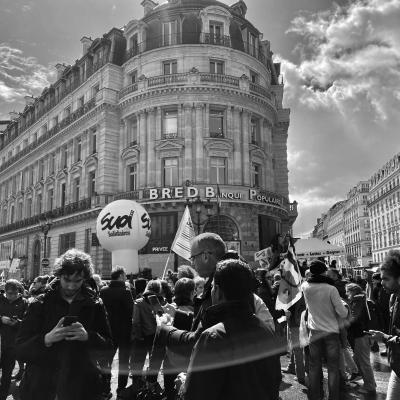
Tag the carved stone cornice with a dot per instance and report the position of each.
(148, 95)
(39, 185)
(130, 153)
(76, 167)
(258, 152)
(91, 161)
(50, 179)
(62, 174)
(218, 147)
(170, 148)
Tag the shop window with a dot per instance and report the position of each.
(163, 228)
(217, 170)
(170, 171)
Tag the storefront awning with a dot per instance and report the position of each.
(314, 247)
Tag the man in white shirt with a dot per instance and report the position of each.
(325, 307)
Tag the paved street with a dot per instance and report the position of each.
(291, 389)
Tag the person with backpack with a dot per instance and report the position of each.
(359, 337)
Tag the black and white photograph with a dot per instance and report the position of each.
(199, 199)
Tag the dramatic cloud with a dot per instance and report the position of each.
(345, 95)
(21, 75)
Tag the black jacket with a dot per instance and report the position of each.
(119, 305)
(67, 370)
(234, 358)
(9, 309)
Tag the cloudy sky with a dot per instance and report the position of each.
(340, 61)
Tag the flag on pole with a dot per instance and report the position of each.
(289, 288)
(219, 201)
(184, 236)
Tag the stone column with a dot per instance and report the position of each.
(158, 163)
(85, 154)
(237, 155)
(151, 171)
(187, 132)
(142, 135)
(124, 133)
(199, 143)
(245, 147)
(123, 143)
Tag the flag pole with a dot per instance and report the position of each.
(166, 264)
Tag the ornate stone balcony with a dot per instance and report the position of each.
(69, 209)
(195, 77)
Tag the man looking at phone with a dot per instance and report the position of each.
(12, 309)
(63, 335)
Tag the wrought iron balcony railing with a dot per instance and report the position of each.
(196, 38)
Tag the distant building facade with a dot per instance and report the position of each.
(335, 229)
(357, 233)
(180, 107)
(384, 209)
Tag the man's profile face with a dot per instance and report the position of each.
(390, 283)
(203, 260)
(71, 284)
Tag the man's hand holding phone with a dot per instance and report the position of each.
(67, 328)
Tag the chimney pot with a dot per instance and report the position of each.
(86, 43)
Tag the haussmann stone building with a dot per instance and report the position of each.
(179, 107)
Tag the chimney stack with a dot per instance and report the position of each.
(60, 69)
(29, 100)
(13, 115)
(86, 43)
(148, 6)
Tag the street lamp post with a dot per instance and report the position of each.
(198, 203)
(45, 226)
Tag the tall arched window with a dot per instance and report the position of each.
(223, 226)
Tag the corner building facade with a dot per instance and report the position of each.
(183, 106)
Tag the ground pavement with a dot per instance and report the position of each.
(290, 388)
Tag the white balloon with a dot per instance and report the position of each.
(124, 227)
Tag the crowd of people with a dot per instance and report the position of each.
(210, 330)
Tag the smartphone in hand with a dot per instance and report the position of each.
(69, 320)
